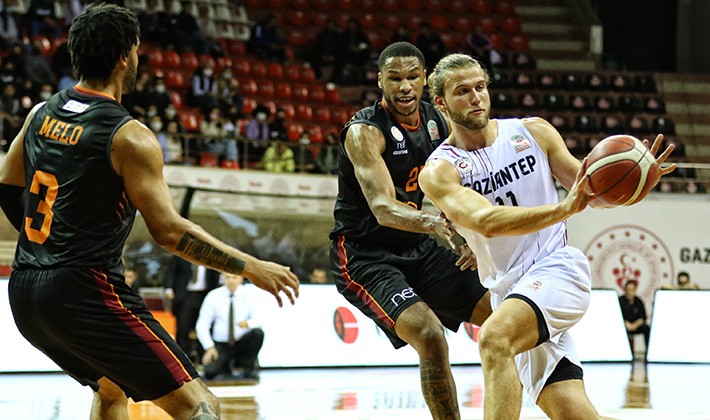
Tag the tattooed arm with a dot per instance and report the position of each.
(138, 159)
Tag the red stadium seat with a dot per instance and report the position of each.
(510, 25)
(248, 87)
(294, 131)
(315, 134)
(368, 21)
(340, 4)
(308, 75)
(236, 48)
(176, 99)
(368, 6)
(390, 5)
(321, 114)
(171, 59)
(272, 107)
(450, 41)
(299, 18)
(188, 60)
(207, 60)
(45, 45)
(324, 4)
(222, 63)
(518, 42)
(299, 92)
(289, 109)
(248, 105)
(292, 72)
(241, 67)
(342, 19)
(488, 24)
(265, 88)
(274, 71)
(440, 23)
(412, 5)
(339, 116)
(319, 19)
(316, 94)
(463, 24)
(190, 120)
(258, 70)
(304, 112)
(375, 39)
(434, 6)
(242, 126)
(458, 7)
(282, 90)
(481, 7)
(504, 7)
(414, 22)
(277, 5)
(155, 58)
(332, 94)
(300, 4)
(173, 79)
(390, 21)
(497, 40)
(297, 38)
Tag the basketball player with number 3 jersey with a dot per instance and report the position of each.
(494, 179)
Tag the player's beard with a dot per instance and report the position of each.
(478, 122)
(129, 80)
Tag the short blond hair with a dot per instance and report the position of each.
(437, 78)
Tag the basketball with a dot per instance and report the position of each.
(621, 171)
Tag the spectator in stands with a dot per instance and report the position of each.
(277, 127)
(61, 62)
(633, 311)
(523, 80)
(154, 24)
(186, 285)
(654, 105)
(208, 29)
(522, 61)
(189, 37)
(683, 283)
(402, 34)
(131, 276)
(303, 157)
(161, 95)
(318, 276)
(527, 101)
(219, 137)
(266, 42)
(279, 158)
(174, 145)
(430, 44)
(139, 100)
(42, 19)
(327, 162)
(203, 89)
(10, 115)
(229, 330)
(258, 133)
(621, 82)
(579, 103)
(229, 94)
(353, 54)
(596, 81)
(10, 21)
(613, 124)
(560, 123)
(480, 46)
(14, 65)
(604, 103)
(325, 51)
(45, 92)
(547, 81)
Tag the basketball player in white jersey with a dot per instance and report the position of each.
(494, 180)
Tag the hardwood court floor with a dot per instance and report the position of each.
(621, 390)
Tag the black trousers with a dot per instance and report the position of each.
(242, 354)
(643, 329)
(186, 314)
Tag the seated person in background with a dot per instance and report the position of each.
(219, 136)
(257, 131)
(318, 276)
(279, 158)
(684, 283)
(235, 338)
(634, 312)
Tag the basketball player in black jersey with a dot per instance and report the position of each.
(382, 257)
(72, 182)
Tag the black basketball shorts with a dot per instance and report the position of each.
(382, 284)
(92, 325)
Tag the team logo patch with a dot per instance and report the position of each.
(433, 130)
(535, 285)
(464, 164)
(74, 106)
(520, 143)
(396, 134)
(624, 253)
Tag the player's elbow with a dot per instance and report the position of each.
(167, 236)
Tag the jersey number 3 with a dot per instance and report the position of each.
(42, 179)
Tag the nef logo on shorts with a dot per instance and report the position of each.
(402, 296)
(345, 325)
(520, 143)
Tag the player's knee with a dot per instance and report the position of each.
(494, 343)
(110, 393)
(430, 338)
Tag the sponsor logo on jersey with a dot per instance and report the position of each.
(464, 165)
(535, 285)
(433, 130)
(520, 143)
(401, 146)
(624, 253)
(402, 296)
(74, 106)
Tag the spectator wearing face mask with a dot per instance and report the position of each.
(161, 96)
(45, 92)
(258, 133)
(203, 89)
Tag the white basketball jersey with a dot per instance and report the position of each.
(513, 171)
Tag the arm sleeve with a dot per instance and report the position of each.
(12, 205)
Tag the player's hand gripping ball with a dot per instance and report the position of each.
(621, 171)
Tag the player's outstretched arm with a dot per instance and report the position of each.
(138, 159)
(365, 145)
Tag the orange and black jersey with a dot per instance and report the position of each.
(77, 212)
(406, 151)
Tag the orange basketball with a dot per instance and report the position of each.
(621, 171)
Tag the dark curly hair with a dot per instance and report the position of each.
(98, 37)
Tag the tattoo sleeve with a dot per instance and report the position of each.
(207, 254)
